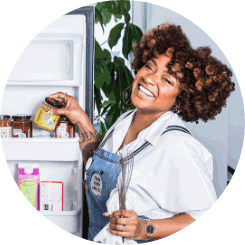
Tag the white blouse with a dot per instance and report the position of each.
(172, 175)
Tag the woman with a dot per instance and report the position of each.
(171, 183)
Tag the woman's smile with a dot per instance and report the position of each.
(145, 91)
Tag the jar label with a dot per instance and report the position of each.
(18, 132)
(6, 132)
(61, 131)
(45, 121)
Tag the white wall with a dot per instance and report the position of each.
(223, 137)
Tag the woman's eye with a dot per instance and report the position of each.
(148, 66)
(168, 81)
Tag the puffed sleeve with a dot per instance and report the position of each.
(187, 168)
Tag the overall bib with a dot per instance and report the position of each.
(101, 178)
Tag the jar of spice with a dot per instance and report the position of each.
(43, 119)
(64, 128)
(22, 126)
(6, 126)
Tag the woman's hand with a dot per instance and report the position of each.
(126, 223)
(89, 139)
(72, 110)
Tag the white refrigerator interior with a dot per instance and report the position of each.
(54, 61)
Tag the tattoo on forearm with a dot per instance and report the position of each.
(85, 136)
(88, 150)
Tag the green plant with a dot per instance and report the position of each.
(112, 77)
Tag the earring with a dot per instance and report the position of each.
(176, 110)
(126, 96)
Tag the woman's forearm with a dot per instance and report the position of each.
(165, 227)
(89, 139)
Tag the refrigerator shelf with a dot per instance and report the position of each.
(41, 149)
(51, 83)
(40, 139)
(67, 220)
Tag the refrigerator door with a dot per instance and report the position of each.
(58, 59)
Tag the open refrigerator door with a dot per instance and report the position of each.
(58, 59)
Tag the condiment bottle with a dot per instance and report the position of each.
(22, 126)
(43, 119)
(6, 126)
(64, 128)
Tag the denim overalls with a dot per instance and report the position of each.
(101, 178)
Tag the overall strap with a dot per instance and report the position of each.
(169, 128)
(110, 134)
(105, 140)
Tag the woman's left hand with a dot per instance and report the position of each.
(125, 223)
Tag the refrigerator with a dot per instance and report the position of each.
(59, 59)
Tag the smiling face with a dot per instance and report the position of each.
(154, 90)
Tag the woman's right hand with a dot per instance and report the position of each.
(72, 110)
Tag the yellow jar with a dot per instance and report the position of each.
(44, 120)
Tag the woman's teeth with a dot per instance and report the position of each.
(145, 91)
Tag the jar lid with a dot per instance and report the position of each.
(63, 117)
(21, 116)
(4, 117)
(54, 102)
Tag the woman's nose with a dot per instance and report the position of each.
(151, 79)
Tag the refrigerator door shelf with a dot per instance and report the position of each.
(51, 61)
(41, 139)
(41, 149)
(56, 56)
(67, 220)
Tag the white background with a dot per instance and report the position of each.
(21, 21)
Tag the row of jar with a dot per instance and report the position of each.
(20, 126)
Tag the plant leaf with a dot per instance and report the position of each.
(106, 16)
(117, 88)
(105, 109)
(127, 18)
(119, 61)
(127, 5)
(129, 76)
(107, 102)
(108, 87)
(98, 99)
(124, 6)
(98, 51)
(112, 97)
(136, 33)
(99, 16)
(115, 35)
(101, 73)
(112, 116)
(102, 130)
(106, 56)
(127, 41)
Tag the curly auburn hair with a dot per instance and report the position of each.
(204, 82)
